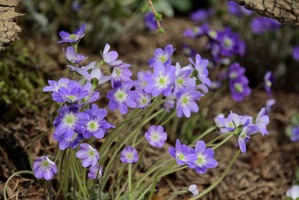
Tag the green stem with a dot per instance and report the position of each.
(219, 180)
(77, 176)
(130, 179)
(13, 175)
(156, 178)
(222, 142)
(204, 134)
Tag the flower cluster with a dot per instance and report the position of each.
(200, 158)
(238, 82)
(243, 126)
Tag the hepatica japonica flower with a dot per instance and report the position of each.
(149, 21)
(230, 43)
(156, 136)
(204, 157)
(129, 155)
(183, 154)
(65, 143)
(295, 134)
(110, 57)
(44, 168)
(162, 56)
(55, 85)
(261, 121)
(268, 81)
(69, 121)
(121, 73)
(293, 193)
(143, 100)
(72, 57)
(140, 83)
(201, 15)
(161, 80)
(186, 101)
(88, 154)
(96, 125)
(235, 70)
(95, 172)
(235, 9)
(200, 65)
(72, 38)
(193, 190)
(122, 96)
(261, 25)
(183, 80)
(239, 88)
(91, 71)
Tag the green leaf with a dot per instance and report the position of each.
(160, 30)
(144, 8)
(158, 17)
(289, 198)
(295, 119)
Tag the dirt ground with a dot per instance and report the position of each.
(264, 172)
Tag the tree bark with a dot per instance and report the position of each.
(8, 26)
(285, 11)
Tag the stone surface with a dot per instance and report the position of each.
(8, 27)
(284, 11)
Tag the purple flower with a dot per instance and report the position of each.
(162, 56)
(94, 172)
(149, 21)
(140, 83)
(193, 190)
(183, 154)
(230, 43)
(293, 192)
(188, 51)
(73, 93)
(71, 38)
(161, 80)
(88, 154)
(143, 100)
(268, 81)
(45, 168)
(262, 120)
(121, 72)
(170, 103)
(244, 136)
(196, 32)
(201, 14)
(90, 72)
(110, 57)
(129, 155)
(235, 9)
(268, 106)
(121, 97)
(296, 53)
(96, 125)
(69, 121)
(204, 157)
(65, 143)
(156, 136)
(231, 123)
(239, 88)
(71, 55)
(295, 135)
(54, 85)
(186, 101)
(183, 81)
(235, 70)
(200, 65)
(261, 25)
